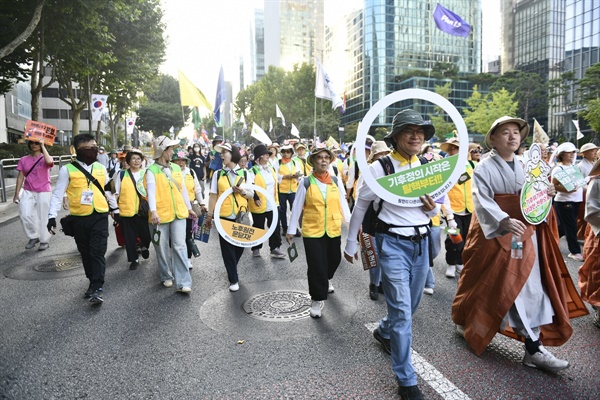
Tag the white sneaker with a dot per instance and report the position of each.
(460, 330)
(185, 289)
(315, 309)
(576, 257)
(428, 291)
(190, 266)
(168, 283)
(451, 271)
(545, 360)
(459, 268)
(234, 287)
(276, 253)
(330, 289)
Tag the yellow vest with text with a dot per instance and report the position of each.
(288, 185)
(461, 196)
(169, 200)
(78, 183)
(259, 181)
(129, 201)
(321, 215)
(230, 207)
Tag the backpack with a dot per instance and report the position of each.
(306, 181)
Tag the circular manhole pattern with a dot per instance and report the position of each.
(60, 264)
(282, 305)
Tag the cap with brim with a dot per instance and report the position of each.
(408, 117)
(588, 147)
(223, 146)
(316, 151)
(378, 148)
(523, 128)
(300, 146)
(180, 154)
(101, 148)
(445, 147)
(161, 143)
(566, 147)
(113, 152)
(260, 150)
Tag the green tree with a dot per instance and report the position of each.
(589, 85)
(529, 90)
(560, 92)
(440, 119)
(484, 110)
(592, 114)
(161, 107)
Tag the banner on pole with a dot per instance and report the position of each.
(98, 104)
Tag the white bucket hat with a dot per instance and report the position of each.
(161, 143)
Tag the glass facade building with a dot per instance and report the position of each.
(388, 38)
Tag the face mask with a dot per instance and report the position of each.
(87, 156)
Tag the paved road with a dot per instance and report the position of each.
(149, 342)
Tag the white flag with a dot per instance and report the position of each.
(539, 135)
(130, 125)
(279, 114)
(259, 134)
(270, 124)
(579, 134)
(295, 131)
(243, 121)
(98, 105)
(324, 88)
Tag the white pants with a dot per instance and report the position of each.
(34, 214)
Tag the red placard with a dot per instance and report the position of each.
(35, 130)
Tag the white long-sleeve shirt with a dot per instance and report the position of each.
(62, 183)
(151, 189)
(301, 197)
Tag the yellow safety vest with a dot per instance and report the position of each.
(306, 169)
(229, 208)
(129, 201)
(322, 215)
(78, 182)
(288, 185)
(169, 200)
(189, 185)
(259, 181)
(461, 196)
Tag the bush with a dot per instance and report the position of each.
(17, 150)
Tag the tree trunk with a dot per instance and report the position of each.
(76, 120)
(98, 134)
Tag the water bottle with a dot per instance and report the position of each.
(192, 246)
(516, 247)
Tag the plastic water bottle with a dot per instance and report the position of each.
(516, 247)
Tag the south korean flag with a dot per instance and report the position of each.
(98, 105)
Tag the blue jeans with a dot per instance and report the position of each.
(436, 246)
(404, 270)
(173, 259)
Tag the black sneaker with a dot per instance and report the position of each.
(145, 253)
(96, 297)
(385, 343)
(134, 265)
(410, 393)
(88, 293)
(373, 292)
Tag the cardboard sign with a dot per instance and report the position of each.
(367, 251)
(35, 130)
(535, 202)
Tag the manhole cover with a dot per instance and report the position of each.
(284, 305)
(59, 265)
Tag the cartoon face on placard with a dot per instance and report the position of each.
(244, 235)
(535, 202)
(404, 188)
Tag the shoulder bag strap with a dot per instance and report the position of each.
(36, 163)
(90, 177)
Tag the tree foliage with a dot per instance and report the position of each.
(293, 92)
(529, 90)
(161, 107)
(439, 119)
(592, 114)
(484, 110)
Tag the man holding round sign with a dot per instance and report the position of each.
(402, 237)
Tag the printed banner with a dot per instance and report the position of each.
(35, 130)
(535, 202)
(570, 177)
(367, 251)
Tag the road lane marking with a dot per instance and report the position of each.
(434, 378)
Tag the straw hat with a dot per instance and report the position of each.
(523, 128)
(445, 147)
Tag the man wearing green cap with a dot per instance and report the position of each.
(402, 237)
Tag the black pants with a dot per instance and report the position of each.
(91, 236)
(454, 251)
(134, 227)
(188, 236)
(231, 256)
(259, 222)
(284, 200)
(323, 256)
(567, 216)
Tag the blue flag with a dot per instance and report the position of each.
(450, 23)
(220, 97)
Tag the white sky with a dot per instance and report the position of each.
(202, 35)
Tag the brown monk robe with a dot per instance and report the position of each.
(491, 281)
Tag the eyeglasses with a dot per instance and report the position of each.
(475, 151)
(411, 132)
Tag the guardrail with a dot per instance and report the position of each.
(10, 164)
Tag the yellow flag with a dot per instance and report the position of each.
(191, 95)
